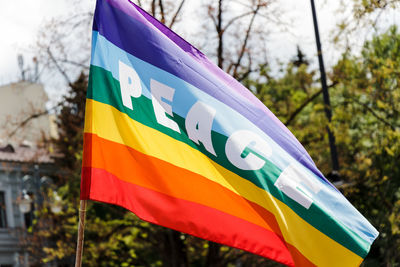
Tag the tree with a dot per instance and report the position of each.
(365, 100)
(48, 244)
(359, 20)
(239, 34)
(368, 128)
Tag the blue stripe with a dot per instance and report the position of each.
(226, 120)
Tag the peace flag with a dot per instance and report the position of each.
(174, 139)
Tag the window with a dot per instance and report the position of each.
(3, 216)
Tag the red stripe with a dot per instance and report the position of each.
(185, 216)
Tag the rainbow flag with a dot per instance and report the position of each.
(171, 137)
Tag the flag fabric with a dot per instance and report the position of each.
(171, 137)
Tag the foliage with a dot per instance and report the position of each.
(367, 108)
(365, 98)
(364, 7)
(49, 244)
(359, 20)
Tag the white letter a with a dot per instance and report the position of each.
(198, 125)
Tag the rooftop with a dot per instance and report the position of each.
(25, 154)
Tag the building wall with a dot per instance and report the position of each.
(19, 101)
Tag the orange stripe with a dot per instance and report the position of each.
(149, 172)
(134, 167)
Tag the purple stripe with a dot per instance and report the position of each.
(117, 21)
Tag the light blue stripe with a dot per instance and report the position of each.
(106, 55)
(226, 120)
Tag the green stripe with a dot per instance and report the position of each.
(105, 89)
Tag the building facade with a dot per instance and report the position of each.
(16, 165)
(25, 159)
(23, 114)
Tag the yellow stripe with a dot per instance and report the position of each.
(109, 123)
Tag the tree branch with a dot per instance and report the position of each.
(153, 8)
(243, 48)
(212, 18)
(231, 21)
(249, 70)
(374, 113)
(160, 3)
(244, 75)
(58, 66)
(176, 14)
(31, 117)
(302, 106)
(73, 63)
(308, 101)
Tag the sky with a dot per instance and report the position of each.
(20, 21)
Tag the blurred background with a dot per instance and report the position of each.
(269, 46)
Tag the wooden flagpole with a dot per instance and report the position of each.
(81, 231)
